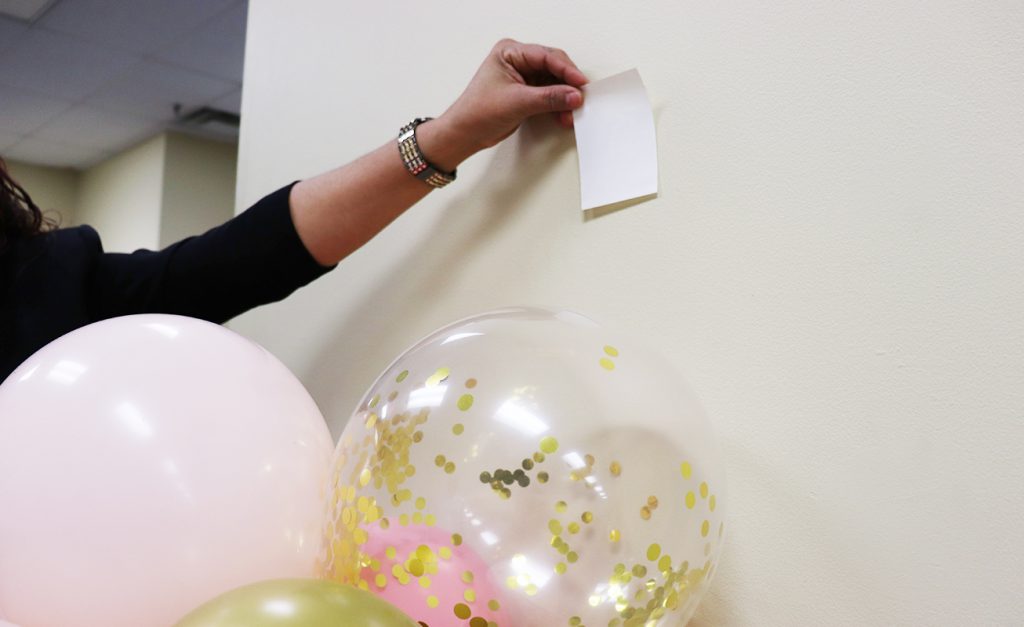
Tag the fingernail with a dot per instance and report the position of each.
(574, 99)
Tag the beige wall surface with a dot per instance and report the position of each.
(167, 188)
(199, 186)
(121, 197)
(834, 260)
(54, 190)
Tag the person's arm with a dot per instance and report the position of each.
(338, 211)
(297, 233)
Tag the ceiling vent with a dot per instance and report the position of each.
(207, 122)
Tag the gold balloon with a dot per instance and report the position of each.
(574, 463)
(296, 603)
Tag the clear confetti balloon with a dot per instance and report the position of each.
(575, 464)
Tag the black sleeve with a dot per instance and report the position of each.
(253, 259)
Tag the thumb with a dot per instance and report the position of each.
(549, 99)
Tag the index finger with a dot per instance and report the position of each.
(537, 58)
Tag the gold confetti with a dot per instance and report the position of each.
(652, 502)
(465, 402)
(462, 611)
(440, 375)
(615, 469)
(561, 506)
(607, 364)
(458, 428)
(587, 517)
(686, 469)
(401, 376)
(645, 512)
(471, 383)
(703, 490)
(548, 445)
(614, 535)
(653, 552)
(611, 351)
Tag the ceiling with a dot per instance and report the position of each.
(88, 78)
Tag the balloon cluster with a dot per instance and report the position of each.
(521, 467)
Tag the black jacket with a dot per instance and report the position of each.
(57, 282)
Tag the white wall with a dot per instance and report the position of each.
(121, 197)
(199, 186)
(54, 190)
(167, 188)
(835, 259)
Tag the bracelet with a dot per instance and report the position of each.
(414, 160)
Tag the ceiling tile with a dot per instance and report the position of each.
(150, 91)
(231, 102)
(60, 66)
(216, 48)
(22, 113)
(10, 32)
(55, 154)
(140, 26)
(93, 128)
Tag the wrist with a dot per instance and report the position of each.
(442, 145)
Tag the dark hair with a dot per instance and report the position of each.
(19, 215)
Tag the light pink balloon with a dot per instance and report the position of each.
(445, 570)
(148, 464)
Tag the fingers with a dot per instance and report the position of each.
(548, 99)
(534, 59)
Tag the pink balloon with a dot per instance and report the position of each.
(439, 576)
(148, 464)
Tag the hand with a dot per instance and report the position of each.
(515, 81)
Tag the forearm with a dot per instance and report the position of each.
(338, 211)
